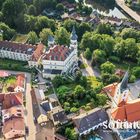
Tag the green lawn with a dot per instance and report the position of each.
(20, 38)
(93, 82)
(8, 64)
(8, 82)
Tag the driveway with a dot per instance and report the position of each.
(88, 71)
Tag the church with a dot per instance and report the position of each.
(123, 108)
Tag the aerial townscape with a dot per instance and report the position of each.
(69, 69)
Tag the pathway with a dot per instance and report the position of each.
(128, 10)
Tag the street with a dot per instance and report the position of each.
(29, 109)
(88, 71)
(128, 10)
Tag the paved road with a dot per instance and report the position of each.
(29, 108)
(128, 10)
(88, 71)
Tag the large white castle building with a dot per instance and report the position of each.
(60, 59)
(55, 60)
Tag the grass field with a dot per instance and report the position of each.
(8, 64)
(9, 82)
(93, 82)
(20, 38)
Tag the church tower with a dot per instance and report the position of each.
(122, 91)
(51, 41)
(73, 40)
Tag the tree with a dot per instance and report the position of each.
(79, 91)
(7, 33)
(32, 10)
(32, 37)
(83, 81)
(84, 27)
(66, 106)
(91, 40)
(104, 29)
(71, 1)
(70, 134)
(44, 22)
(88, 54)
(108, 67)
(62, 36)
(78, 76)
(130, 33)
(69, 23)
(98, 57)
(132, 79)
(57, 81)
(107, 44)
(73, 109)
(102, 99)
(60, 7)
(1, 16)
(127, 49)
(136, 72)
(11, 10)
(44, 35)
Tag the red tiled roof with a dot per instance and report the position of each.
(17, 47)
(12, 99)
(129, 112)
(58, 53)
(15, 111)
(20, 80)
(110, 89)
(4, 74)
(13, 125)
(38, 52)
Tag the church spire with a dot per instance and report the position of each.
(124, 82)
(73, 34)
(51, 40)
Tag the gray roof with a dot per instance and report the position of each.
(46, 106)
(52, 71)
(124, 81)
(37, 109)
(60, 116)
(50, 38)
(73, 34)
(90, 119)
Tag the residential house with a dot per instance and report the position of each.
(12, 99)
(13, 112)
(14, 128)
(90, 120)
(34, 61)
(12, 115)
(17, 51)
(39, 113)
(20, 83)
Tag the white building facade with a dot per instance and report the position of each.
(60, 59)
